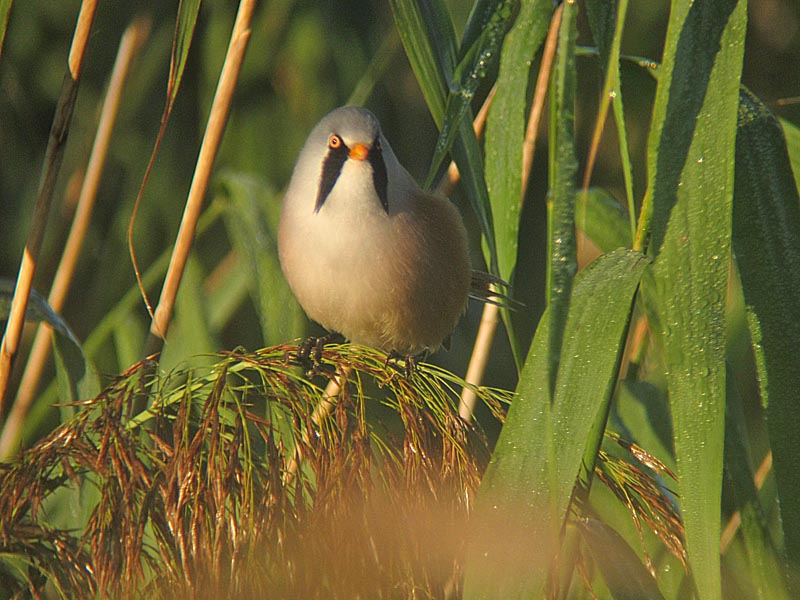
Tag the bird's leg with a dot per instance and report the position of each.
(392, 358)
(411, 366)
(304, 349)
(410, 362)
(318, 347)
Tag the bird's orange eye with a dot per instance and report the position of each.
(335, 141)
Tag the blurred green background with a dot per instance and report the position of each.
(304, 58)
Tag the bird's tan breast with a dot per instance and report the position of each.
(395, 282)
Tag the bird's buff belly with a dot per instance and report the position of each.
(353, 300)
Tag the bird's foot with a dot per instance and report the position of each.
(309, 354)
(409, 366)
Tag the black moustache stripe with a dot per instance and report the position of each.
(331, 168)
(379, 178)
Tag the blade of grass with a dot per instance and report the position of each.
(479, 14)
(690, 157)
(227, 286)
(469, 158)
(128, 338)
(469, 73)
(505, 128)
(432, 57)
(526, 491)
(452, 176)
(611, 96)
(766, 241)
(38, 310)
(127, 303)
(625, 155)
(642, 415)
(52, 165)
(539, 98)
(5, 11)
(563, 168)
(733, 524)
(182, 42)
(192, 335)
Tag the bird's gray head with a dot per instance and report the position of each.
(348, 133)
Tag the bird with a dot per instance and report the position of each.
(367, 253)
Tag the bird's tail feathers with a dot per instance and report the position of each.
(486, 287)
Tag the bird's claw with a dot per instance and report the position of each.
(309, 354)
(410, 363)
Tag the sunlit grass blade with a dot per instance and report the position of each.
(432, 54)
(469, 158)
(539, 456)
(505, 128)
(766, 242)
(607, 31)
(5, 11)
(472, 68)
(181, 43)
(480, 14)
(690, 189)
(563, 168)
(625, 156)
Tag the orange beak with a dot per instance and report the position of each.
(359, 152)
